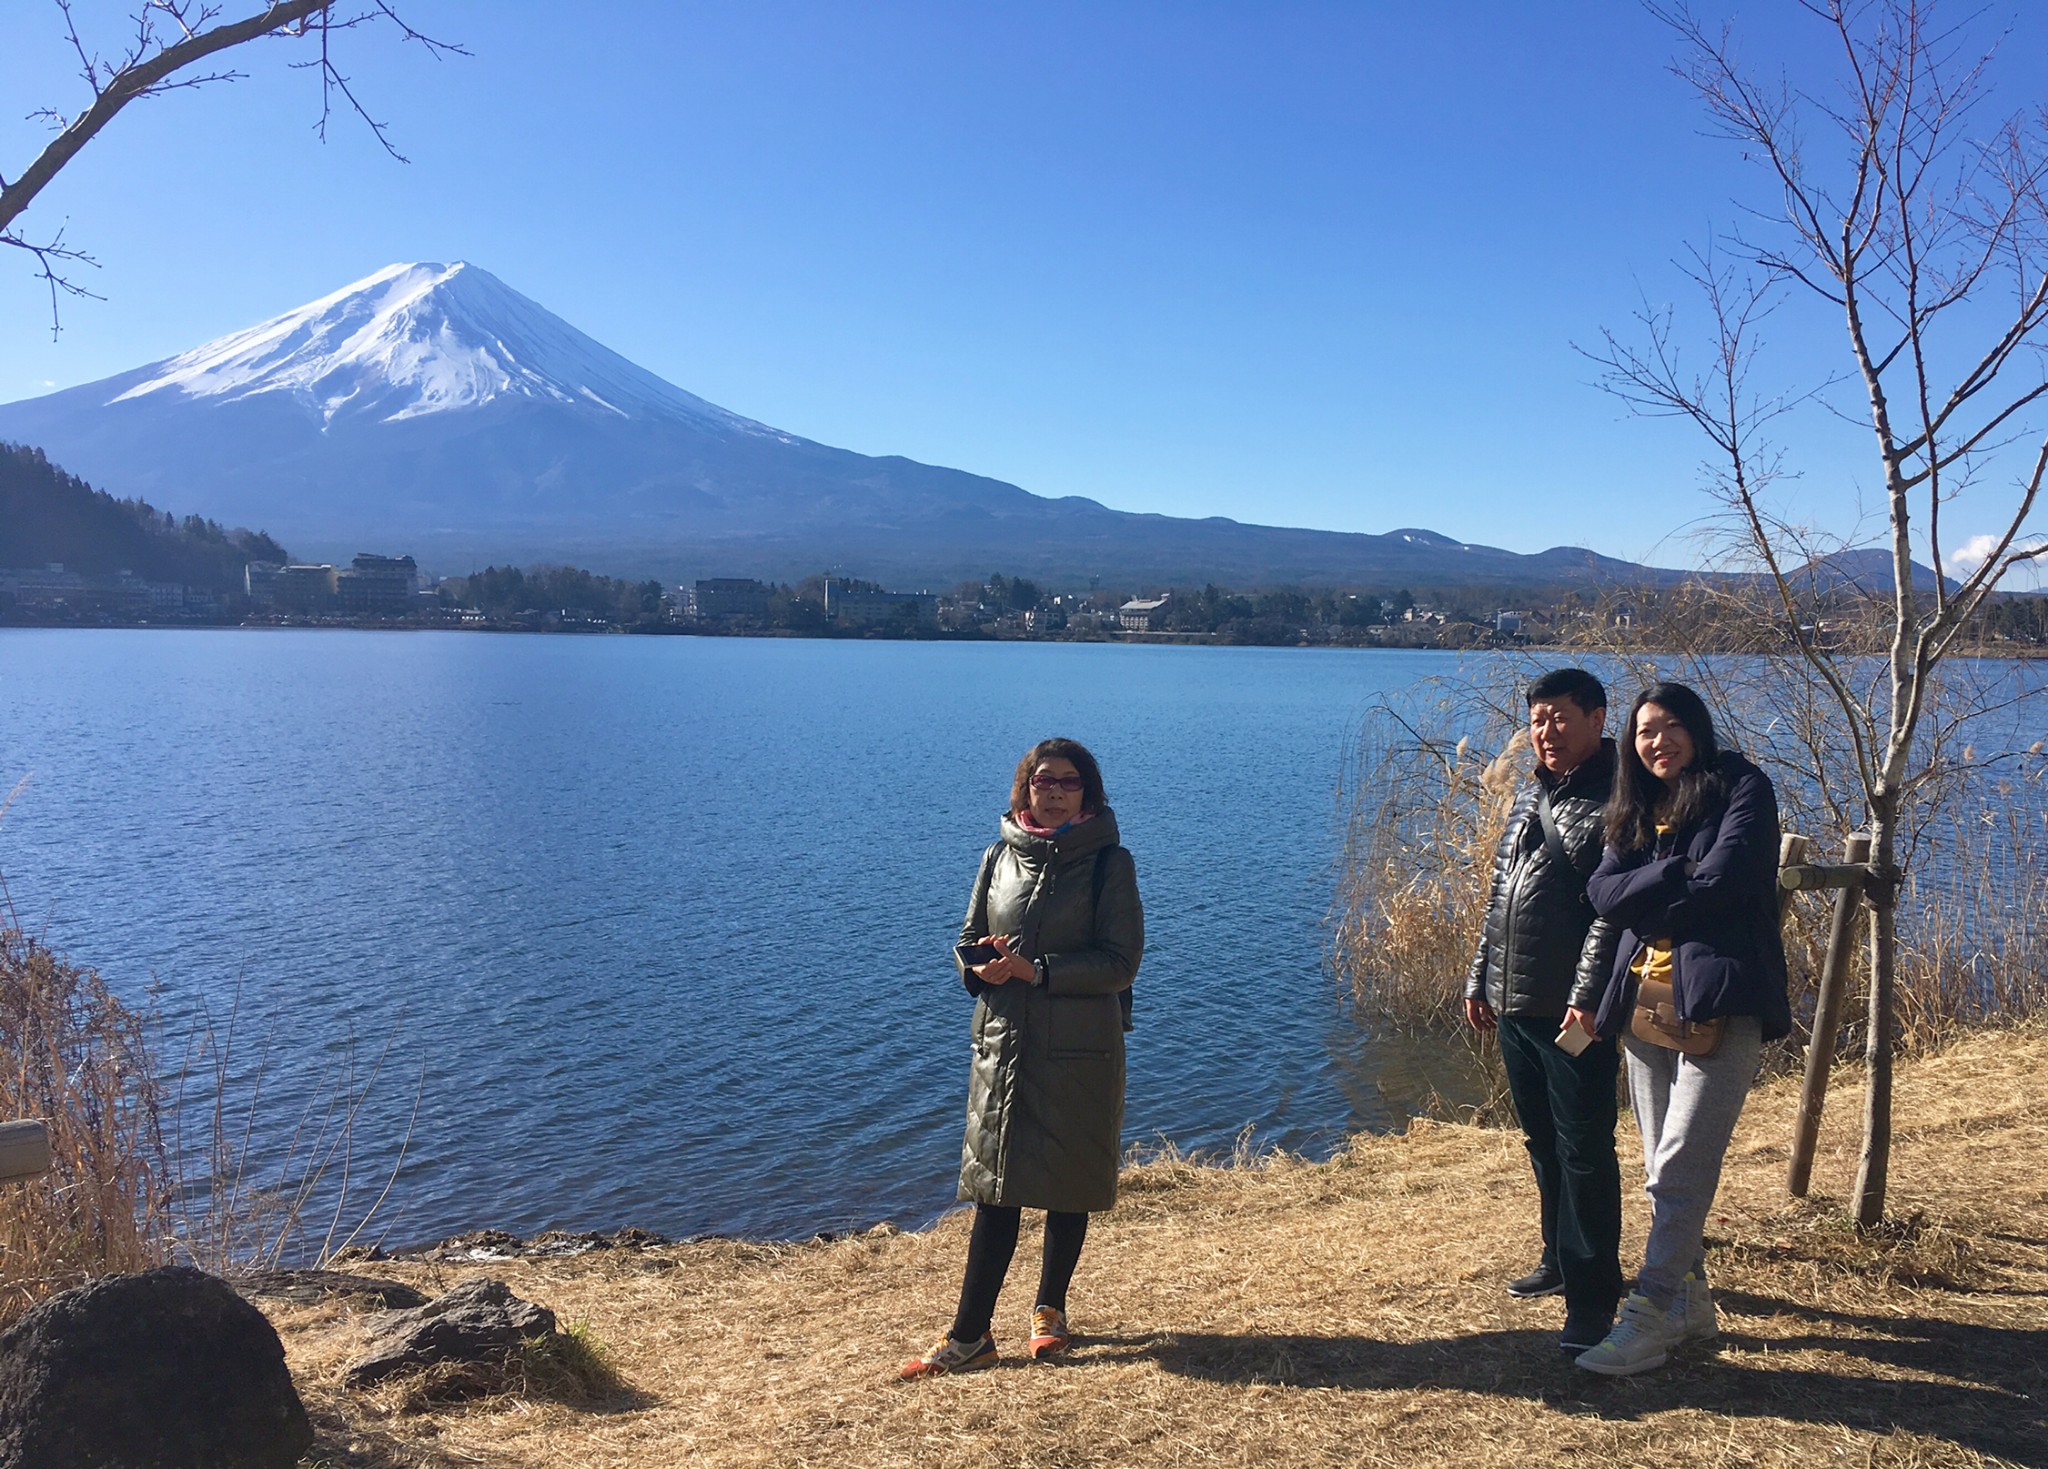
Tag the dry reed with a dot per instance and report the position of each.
(1426, 811)
(76, 1058)
(245, 1207)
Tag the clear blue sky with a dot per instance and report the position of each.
(1300, 263)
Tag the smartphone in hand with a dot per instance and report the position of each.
(1573, 1039)
(974, 955)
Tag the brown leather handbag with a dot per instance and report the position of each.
(1657, 1021)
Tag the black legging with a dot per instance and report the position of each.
(989, 1250)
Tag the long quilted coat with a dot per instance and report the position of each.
(1045, 1096)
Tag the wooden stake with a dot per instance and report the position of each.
(1791, 852)
(1827, 1020)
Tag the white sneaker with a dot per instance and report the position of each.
(1691, 1317)
(1639, 1342)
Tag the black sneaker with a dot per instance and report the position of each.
(1544, 1280)
(1583, 1336)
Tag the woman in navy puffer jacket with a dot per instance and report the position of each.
(1690, 875)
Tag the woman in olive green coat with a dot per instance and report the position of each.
(1052, 939)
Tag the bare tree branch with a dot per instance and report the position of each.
(152, 64)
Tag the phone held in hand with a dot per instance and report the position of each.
(975, 954)
(1573, 1039)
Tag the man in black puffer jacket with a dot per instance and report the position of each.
(1542, 962)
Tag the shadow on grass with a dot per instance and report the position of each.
(1991, 1399)
(341, 1444)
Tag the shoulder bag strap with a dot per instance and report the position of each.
(1554, 839)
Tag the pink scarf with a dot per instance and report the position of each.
(1047, 833)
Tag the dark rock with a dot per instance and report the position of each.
(497, 1244)
(479, 1321)
(559, 1244)
(357, 1255)
(165, 1370)
(479, 1244)
(310, 1287)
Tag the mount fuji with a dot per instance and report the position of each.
(432, 409)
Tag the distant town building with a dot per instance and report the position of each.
(53, 588)
(377, 586)
(43, 587)
(861, 604)
(729, 596)
(1507, 622)
(305, 588)
(1142, 614)
(260, 581)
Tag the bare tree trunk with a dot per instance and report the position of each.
(1873, 1167)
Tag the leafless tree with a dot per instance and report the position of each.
(1895, 204)
(168, 45)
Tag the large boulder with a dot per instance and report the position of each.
(479, 1322)
(166, 1370)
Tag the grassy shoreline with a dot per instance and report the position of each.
(1343, 1312)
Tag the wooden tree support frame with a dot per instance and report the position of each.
(24, 1150)
(1847, 881)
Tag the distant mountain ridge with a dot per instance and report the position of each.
(1864, 570)
(432, 409)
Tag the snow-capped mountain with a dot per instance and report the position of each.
(417, 339)
(434, 410)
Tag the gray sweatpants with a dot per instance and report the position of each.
(1686, 1108)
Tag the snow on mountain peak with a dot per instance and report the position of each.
(412, 340)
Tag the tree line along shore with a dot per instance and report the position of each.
(73, 556)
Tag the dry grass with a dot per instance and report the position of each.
(75, 1057)
(1426, 812)
(1348, 1313)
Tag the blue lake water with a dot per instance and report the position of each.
(660, 927)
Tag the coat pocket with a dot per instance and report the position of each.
(1084, 1027)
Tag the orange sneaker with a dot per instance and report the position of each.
(951, 1356)
(1049, 1334)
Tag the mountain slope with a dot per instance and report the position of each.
(432, 409)
(49, 516)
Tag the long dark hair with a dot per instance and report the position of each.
(1092, 798)
(1641, 801)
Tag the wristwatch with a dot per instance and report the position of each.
(1038, 975)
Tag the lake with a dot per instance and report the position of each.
(659, 929)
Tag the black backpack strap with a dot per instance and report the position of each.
(981, 878)
(1101, 881)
